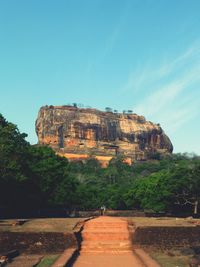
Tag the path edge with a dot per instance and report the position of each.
(69, 255)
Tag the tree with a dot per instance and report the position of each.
(152, 192)
(13, 150)
(13, 168)
(34, 177)
(176, 185)
(186, 188)
(50, 172)
(108, 109)
(66, 193)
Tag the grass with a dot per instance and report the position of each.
(48, 260)
(41, 225)
(165, 260)
(163, 221)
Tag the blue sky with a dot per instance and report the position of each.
(124, 54)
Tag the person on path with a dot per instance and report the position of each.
(102, 210)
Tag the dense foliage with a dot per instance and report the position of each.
(34, 177)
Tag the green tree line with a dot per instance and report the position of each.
(34, 177)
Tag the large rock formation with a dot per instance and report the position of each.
(78, 133)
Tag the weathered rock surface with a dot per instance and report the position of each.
(78, 133)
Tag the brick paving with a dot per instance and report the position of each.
(107, 242)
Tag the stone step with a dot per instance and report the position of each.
(106, 244)
(107, 236)
(100, 236)
(109, 251)
(107, 225)
(106, 249)
(103, 250)
(115, 233)
(105, 229)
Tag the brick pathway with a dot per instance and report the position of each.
(106, 242)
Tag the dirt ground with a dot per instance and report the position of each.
(25, 261)
(62, 225)
(163, 221)
(171, 258)
(67, 224)
(33, 260)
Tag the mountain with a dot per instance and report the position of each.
(78, 133)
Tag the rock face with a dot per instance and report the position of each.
(78, 133)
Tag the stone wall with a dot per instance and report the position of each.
(166, 237)
(36, 243)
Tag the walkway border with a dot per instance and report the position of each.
(69, 256)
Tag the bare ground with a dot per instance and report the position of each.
(62, 225)
(163, 221)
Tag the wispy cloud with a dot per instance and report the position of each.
(170, 91)
(148, 74)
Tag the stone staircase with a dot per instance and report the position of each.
(106, 235)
